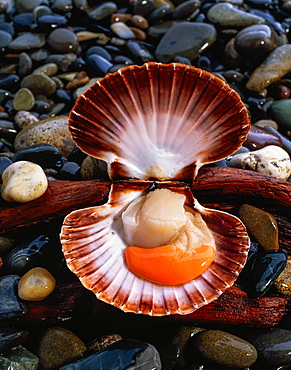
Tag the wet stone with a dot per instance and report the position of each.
(122, 30)
(69, 171)
(7, 130)
(10, 306)
(186, 8)
(4, 163)
(160, 13)
(225, 14)
(276, 65)
(43, 154)
(261, 224)
(226, 349)
(23, 22)
(185, 39)
(23, 99)
(144, 7)
(25, 64)
(127, 353)
(139, 21)
(281, 112)
(59, 346)
(39, 84)
(36, 284)
(19, 358)
(9, 81)
(259, 137)
(283, 281)
(48, 69)
(28, 40)
(10, 337)
(102, 10)
(49, 22)
(286, 143)
(5, 39)
(99, 64)
(273, 346)
(52, 131)
(63, 40)
(62, 6)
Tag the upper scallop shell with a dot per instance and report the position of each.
(94, 249)
(159, 121)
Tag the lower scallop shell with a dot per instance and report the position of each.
(94, 249)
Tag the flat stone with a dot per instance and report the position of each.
(53, 131)
(59, 346)
(276, 65)
(225, 14)
(185, 39)
(23, 99)
(48, 69)
(226, 349)
(28, 40)
(283, 281)
(10, 306)
(261, 224)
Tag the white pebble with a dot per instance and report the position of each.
(23, 181)
(270, 160)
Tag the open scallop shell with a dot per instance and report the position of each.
(159, 121)
(94, 249)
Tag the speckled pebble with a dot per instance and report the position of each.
(24, 118)
(53, 131)
(226, 349)
(23, 182)
(36, 284)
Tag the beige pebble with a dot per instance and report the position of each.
(267, 123)
(24, 118)
(23, 182)
(36, 284)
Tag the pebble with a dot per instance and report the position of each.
(23, 182)
(19, 358)
(10, 337)
(39, 84)
(273, 346)
(63, 40)
(276, 65)
(23, 99)
(226, 14)
(36, 284)
(283, 281)
(45, 155)
(122, 30)
(52, 131)
(185, 39)
(280, 111)
(261, 225)
(27, 41)
(226, 349)
(270, 160)
(24, 118)
(59, 346)
(259, 137)
(10, 305)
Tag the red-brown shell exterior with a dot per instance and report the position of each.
(159, 121)
(94, 250)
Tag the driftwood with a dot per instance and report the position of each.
(220, 188)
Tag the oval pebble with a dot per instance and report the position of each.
(226, 349)
(23, 182)
(23, 99)
(43, 154)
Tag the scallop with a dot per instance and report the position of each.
(152, 248)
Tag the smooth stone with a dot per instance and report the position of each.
(99, 50)
(270, 160)
(100, 64)
(52, 131)
(19, 358)
(48, 22)
(269, 123)
(10, 337)
(62, 6)
(59, 346)
(23, 182)
(7, 27)
(186, 8)
(257, 40)
(24, 118)
(10, 306)
(275, 66)
(4, 163)
(225, 14)
(7, 130)
(286, 143)
(28, 40)
(48, 69)
(139, 21)
(226, 349)
(280, 92)
(185, 39)
(139, 50)
(159, 29)
(259, 137)
(25, 64)
(280, 111)
(9, 81)
(6, 244)
(39, 84)
(43, 154)
(102, 10)
(4, 96)
(63, 40)
(23, 99)
(63, 61)
(273, 346)
(36, 284)
(261, 224)
(125, 353)
(92, 168)
(82, 89)
(41, 10)
(5, 39)
(26, 6)
(160, 13)
(283, 281)
(266, 268)
(80, 80)
(122, 30)
(144, 7)
(69, 171)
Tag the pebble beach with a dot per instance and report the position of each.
(51, 53)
